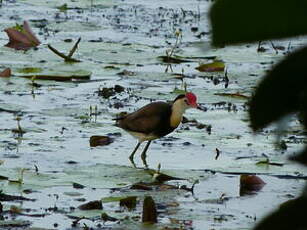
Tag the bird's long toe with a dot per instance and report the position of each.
(143, 157)
(132, 161)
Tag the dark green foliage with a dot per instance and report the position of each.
(236, 21)
(301, 158)
(281, 92)
(291, 215)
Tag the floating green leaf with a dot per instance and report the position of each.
(112, 199)
(211, 67)
(233, 95)
(59, 75)
(29, 70)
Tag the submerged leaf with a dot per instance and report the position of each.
(59, 75)
(141, 186)
(95, 204)
(248, 21)
(77, 185)
(234, 95)
(14, 224)
(105, 217)
(173, 59)
(6, 197)
(282, 91)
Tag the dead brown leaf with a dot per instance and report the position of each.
(250, 183)
(6, 73)
(100, 141)
(21, 37)
(149, 211)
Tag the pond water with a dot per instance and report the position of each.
(120, 45)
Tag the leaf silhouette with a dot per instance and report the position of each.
(247, 21)
(291, 215)
(301, 157)
(282, 91)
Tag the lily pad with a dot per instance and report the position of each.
(173, 59)
(60, 76)
(31, 70)
(95, 204)
(216, 66)
(14, 223)
(233, 95)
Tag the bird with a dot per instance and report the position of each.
(155, 120)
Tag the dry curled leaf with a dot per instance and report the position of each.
(21, 37)
(100, 141)
(250, 183)
(6, 73)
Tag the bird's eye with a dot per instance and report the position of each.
(186, 101)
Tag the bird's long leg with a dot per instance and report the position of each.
(143, 155)
(132, 154)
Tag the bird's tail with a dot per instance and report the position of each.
(120, 116)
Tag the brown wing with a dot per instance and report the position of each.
(148, 119)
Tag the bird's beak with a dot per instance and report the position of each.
(201, 108)
(194, 105)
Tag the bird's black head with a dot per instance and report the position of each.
(179, 97)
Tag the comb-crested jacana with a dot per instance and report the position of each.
(155, 120)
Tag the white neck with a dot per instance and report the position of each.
(178, 110)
